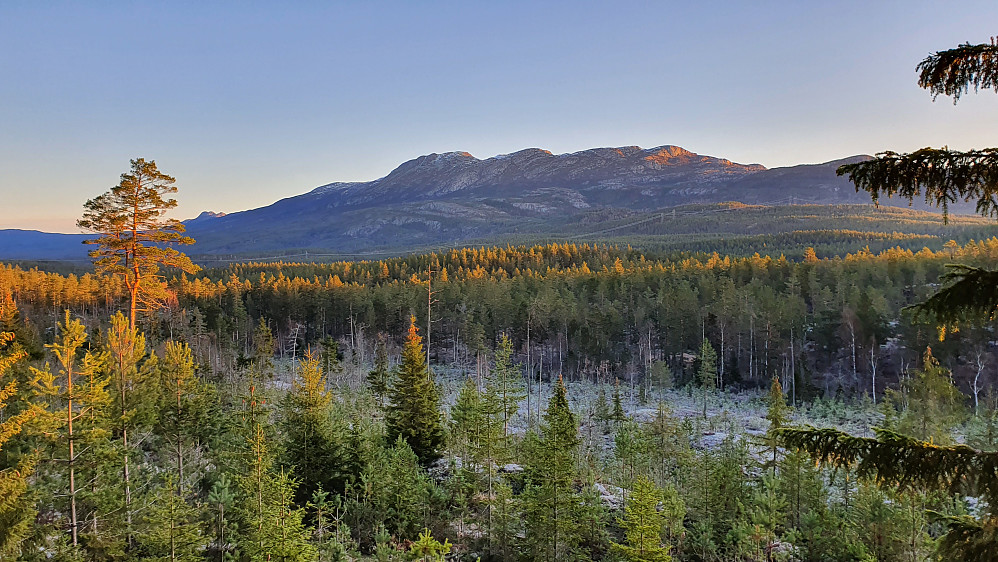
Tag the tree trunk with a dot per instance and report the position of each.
(73, 522)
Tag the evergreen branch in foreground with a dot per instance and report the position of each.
(952, 72)
(972, 293)
(967, 538)
(942, 176)
(895, 459)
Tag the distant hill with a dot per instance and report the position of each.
(454, 198)
(18, 244)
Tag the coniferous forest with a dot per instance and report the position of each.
(554, 402)
(580, 402)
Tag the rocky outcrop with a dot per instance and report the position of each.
(453, 173)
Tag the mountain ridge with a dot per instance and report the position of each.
(450, 197)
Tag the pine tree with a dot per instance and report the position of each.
(505, 518)
(707, 371)
(331, 535)
(801, 483)
(550, 502)
(126, 349)
(777, 413)
(276, 530)
(188, 404)
(331, 366)
(934, 405)
(506, 382)
(72, 398)
(170, 533)
(134, 238)
(766, 509)
(255, 471)
(493, 446)
(312, 444)
(592, 519)
(631, 446)
(669, 446)
(99, 497)
(414, 411)
(467, 418)
(263, 347)
(642, 524)
(660, 374)
(428, 549)
(17, 508)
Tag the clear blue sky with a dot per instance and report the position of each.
(249, 102)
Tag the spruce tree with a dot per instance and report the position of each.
(602, 410)
(379, 378)
(943, 176)
(414, 411)
(617, 414)
(550, 502)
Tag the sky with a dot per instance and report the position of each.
(245, 103)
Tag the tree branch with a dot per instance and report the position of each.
(942, 176)
(954, 71)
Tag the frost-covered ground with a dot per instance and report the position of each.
(742, 413)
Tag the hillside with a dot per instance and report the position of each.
(658, 197)
(453, 198)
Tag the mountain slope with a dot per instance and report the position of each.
(453, 198)
(16, 244)
(449, 197)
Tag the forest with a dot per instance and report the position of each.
(556, 402)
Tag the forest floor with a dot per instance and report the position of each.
(741, 413)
